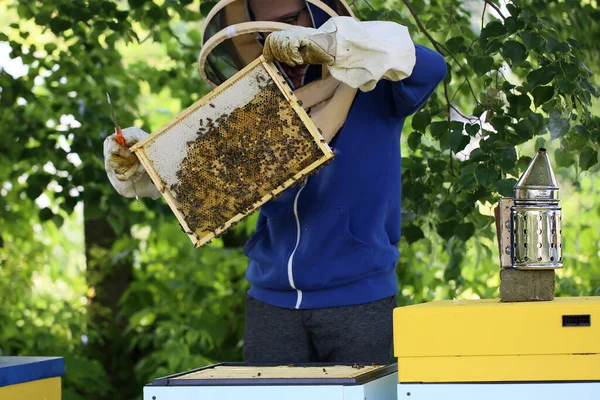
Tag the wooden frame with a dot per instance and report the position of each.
(140, 147)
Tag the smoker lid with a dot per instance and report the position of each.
(538, 181)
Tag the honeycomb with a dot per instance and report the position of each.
(232, 151)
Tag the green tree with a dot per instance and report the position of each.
(520, 76)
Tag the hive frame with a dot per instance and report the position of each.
(139, 149)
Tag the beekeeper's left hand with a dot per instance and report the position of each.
(358, 54)
(299, 45)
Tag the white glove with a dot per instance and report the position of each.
(125, 172)
(362, 52)
(299, 45)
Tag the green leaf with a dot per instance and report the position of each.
(513, 9)
(571, 71)
(23, 11)
(433, 24)
(519, 105)
(574, 43)
(486, 175)
(446, 229)
(58, 220)
(555, 46)
(436, 166)
(467, 181)
(542, 94)
(492, 46)
(563, 159)
(472, 129)
(537, 120)
(439, 128)
(493, 29)
(565, 86)
(421, 120)
(506, 159)
(414, 140)
(515, 52)
(532, 40)
(456, 44)
(541, 76)
(45, 214)
(477, 155)
(505, 186)
(139, 3)
(458, 140)
(482, 65)
(50, 47)
(452, 272)
(33, 192)
(412, 233)
(58, 25)
(583, 131)
(507, 86)
(447, 210)
(465, 231)
(586, 85)
(587, 159)
(414, 165)
(513, 24)
(525, 129)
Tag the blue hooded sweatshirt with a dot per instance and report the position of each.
(334, 241)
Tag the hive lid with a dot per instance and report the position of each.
(538, 181)
(15, 370)
(259, 374)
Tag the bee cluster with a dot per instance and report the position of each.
(238, 158)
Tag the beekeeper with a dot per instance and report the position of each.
(322, 261)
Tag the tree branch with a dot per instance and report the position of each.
(449, 105)
(495, 7)
(439, 47)
(422, 28)
(483, 14)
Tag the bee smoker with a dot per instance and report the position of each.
(529, 223)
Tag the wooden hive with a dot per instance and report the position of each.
(232, 151)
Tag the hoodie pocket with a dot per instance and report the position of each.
(330, 254)
(254, 237)
(268, 249)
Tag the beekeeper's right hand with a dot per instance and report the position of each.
(125, 172)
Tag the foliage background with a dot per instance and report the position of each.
(118, 290)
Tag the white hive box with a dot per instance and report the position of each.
(278, 382)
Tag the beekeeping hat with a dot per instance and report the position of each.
(232, 38)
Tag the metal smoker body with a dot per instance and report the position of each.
(530, 221)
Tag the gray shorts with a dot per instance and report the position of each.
(360, 334)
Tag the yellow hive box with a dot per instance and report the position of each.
(31, 378)
(489, 341)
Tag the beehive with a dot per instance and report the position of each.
(232, 151)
